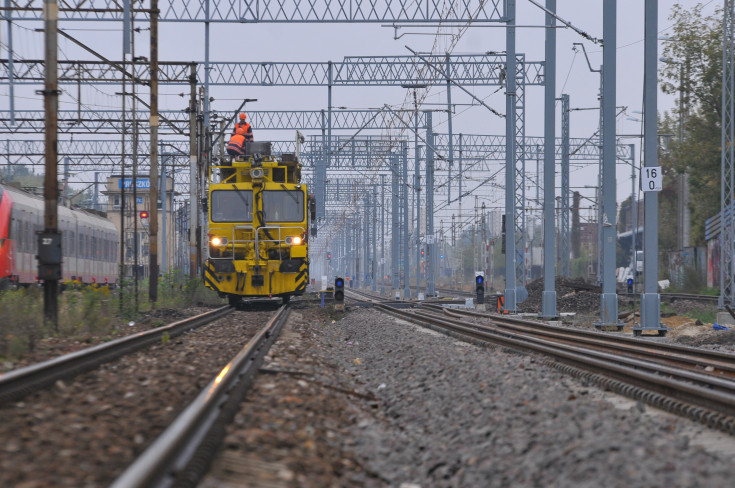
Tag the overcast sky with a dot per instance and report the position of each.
(298, 42)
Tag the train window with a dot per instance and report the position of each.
(283, 206)
(278, 175)
(232, 206)
(26, 235)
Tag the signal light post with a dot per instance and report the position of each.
(480, 290)
(339, 293)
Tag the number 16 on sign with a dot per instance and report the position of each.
(651, 178)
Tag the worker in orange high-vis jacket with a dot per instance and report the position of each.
(243, 124)
(236, 146)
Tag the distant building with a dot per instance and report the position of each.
(134, 205)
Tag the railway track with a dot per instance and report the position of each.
(181, 454)
(86, 430)
(18, 383)
(691, 382)
(672, 297)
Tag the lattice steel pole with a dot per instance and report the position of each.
(564, 235)
(11, 55)
(727, 198)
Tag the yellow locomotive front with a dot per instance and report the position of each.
(258, 227)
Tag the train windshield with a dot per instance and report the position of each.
(232, 206)
(283, 206)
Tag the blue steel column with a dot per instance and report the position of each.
(382, 234)
(320, 171)
(164, 188)
(510, 161)
(366, 242)
(450, 163)
(417, 192)
(345, 238)
(548, 307)
(727, 197)
(564, 240)
(600, 176)
(11, 55)
(459, 161)
(650, 300)
(404, 185)
(374, 219)
(429, 205)
(328, 164)
(395, 229)
(356, 250)
(609, 297)
(633, 209)
(206, 78)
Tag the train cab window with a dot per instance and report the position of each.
(279, 175)
(232, 206)
(283, 206)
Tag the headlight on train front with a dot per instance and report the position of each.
(293, 240)
(217, 241)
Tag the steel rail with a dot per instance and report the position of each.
(18, 383)
(681, 391)
(720, 362)
(181, 454)
(689, 296)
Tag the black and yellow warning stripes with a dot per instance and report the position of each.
(302, 279)
(210, 278)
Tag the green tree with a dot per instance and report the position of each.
(695, 76)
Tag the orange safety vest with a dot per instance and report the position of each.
(248, 130)
(236, 146)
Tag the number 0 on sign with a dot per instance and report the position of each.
(651, 178)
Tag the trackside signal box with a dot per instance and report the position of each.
(339, 293)
(49, 255)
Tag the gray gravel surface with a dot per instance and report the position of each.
(84, 431)
(368, 400)
(459, 415)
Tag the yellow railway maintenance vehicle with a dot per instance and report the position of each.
(258, 226)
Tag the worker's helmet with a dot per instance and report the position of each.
(243, 116)
(241, 131)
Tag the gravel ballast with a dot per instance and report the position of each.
(406, 407)
(84, 431)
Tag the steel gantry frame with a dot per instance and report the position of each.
(263, 11)
(213, 11)
(465, 69)
(304, 74)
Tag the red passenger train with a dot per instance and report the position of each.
(90, 242)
